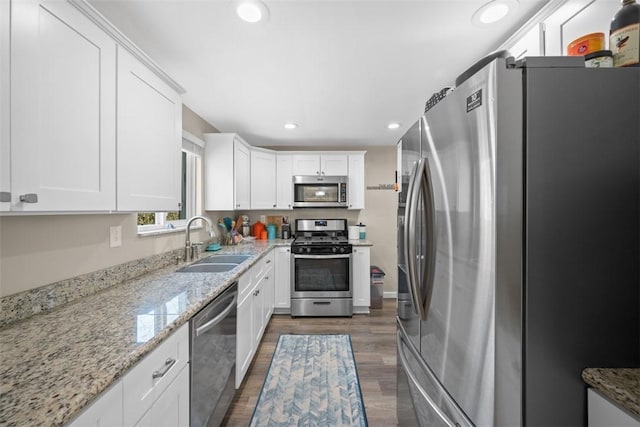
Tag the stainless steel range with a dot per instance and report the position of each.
(321, 272)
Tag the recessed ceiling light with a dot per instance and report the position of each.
(290, 125)
(252, 10)
(493, 12)
(393, 125)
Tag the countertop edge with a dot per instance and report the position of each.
(621, 385)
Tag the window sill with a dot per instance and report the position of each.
(164, 230)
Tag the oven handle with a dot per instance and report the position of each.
(322, 256)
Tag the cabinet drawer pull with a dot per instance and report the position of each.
(256, 293)
(268, 261)
(29, 198)
(167, 365)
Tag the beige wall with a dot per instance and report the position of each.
(39, 250)
(194, 124)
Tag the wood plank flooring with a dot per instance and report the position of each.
(373, 338)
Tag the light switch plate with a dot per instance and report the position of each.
(115, 236)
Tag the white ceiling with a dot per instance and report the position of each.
(341, 69)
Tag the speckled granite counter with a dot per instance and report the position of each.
(360, 243)
(55, 363)
(620, 385)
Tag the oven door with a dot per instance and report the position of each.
(321, 276)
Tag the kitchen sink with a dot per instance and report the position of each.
(208, 267)
(231, 259)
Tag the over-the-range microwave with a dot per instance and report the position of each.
(319, 191)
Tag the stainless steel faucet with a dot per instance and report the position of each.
(189, 248)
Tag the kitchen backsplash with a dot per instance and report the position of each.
(26, 304)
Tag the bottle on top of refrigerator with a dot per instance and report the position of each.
(624, 35)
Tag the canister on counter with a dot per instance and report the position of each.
(599, 59)
(586, 44)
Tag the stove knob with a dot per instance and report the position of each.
(342, 250)
(334, 249)
(308, 250)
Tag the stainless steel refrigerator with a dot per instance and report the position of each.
(518, 244)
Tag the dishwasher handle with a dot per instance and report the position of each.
(213, 322)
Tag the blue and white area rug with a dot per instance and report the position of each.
(312, 381)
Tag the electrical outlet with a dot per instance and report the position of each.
(115, 236)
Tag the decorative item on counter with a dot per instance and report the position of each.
(363, 231)
(599, 59)
(263, 235)
(271, 231)
(286, 231)
(586, 44)
(246, 228)
(214, 247)
(228, 222)
(258, 228)
(624, 35)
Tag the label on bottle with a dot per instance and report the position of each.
(624, 43)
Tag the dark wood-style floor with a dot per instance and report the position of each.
(374, 347)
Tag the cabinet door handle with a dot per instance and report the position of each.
(274, 205)
(29, 198)
(162, 372)
(256, 293)
(5, 196)
(317, 172)
(268, 261)
(266, 277)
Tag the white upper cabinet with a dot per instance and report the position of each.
(149, 139)
(5, 105)
(227, 163)
(284, 181)
(320, 164)
(263, 179)
(88, 123)
(63, 110)
(356, 186)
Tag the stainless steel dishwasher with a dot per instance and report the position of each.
(213, 359)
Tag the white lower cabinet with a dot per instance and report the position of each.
(105, 411)
(255, 306)
(155, 392)
(361, 282)
(153, 375)
(171, 409)
(604, 413)
(282, 280)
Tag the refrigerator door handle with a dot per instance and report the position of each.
(429, 221)
(410, 247)
(405, 367)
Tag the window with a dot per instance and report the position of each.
(191, 191)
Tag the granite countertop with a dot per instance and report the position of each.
(56, 363)
(621, 385)
(360, 243)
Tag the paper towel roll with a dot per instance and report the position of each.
(354, 232)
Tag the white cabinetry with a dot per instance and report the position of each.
(227, 172)
(282, 282)
(105, 411)
(149, 139)
(604, 413)
(5, 106)
(263, 179)
(361, 272)
(155, 374)
(155, 392)
(356, 186)
(63, 105)
(171, 409)
(284, 181)
(244, 337)
(255, 305)
(320, 164)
